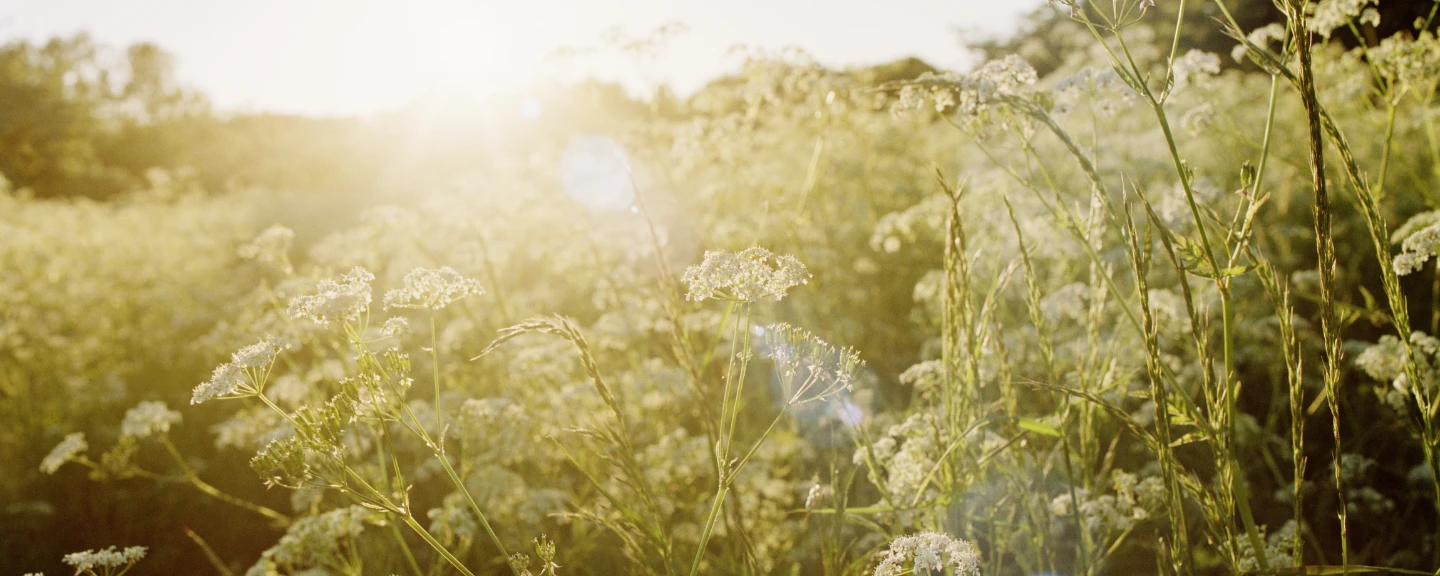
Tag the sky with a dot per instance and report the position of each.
(359, 57)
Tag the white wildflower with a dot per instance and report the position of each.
(1384, 360)
(432, 289)
(106, 561)
(1409, 63)
(745, 276)
(1279, 548)
(149, 417)
(1194, 66)
(243, 374)
(1118, 512)
(1329, 15)
(925, 376)
(1418, 248)
(270, 247)
(1369, 16)
(815, 495)
(1261, 37)
(395, 326)
(809, 368)
(335, 301)
(1108, 93)
(1415, 224)
(323, 541)
(929, 551)
(974, 94)
(73, 445)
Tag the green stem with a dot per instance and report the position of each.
(194, 479)
(435, 373)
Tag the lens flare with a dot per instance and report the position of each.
(596, 173)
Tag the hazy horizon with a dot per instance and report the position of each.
(316, 58)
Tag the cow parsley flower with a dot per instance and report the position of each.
(1409, 63)
(243, 374)
(809, 368)
(1418, 248)
(1329, 15)
(1107, 92)
(1195, 65)
(326, 540)
(432, 289)
(929, 552)
(1118, 512)
(745, 276)
(925, 377)
(1279, 548)
(72, 446)
(270, 247)
(104, 562)
(1260, 37)
(1384, 360)
(970, 96)
(395, 326)
(149, 417)
(335, 301)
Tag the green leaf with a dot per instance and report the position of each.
(1038, 428)
(1190, 438)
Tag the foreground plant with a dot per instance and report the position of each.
(320, 452)
(106, 562)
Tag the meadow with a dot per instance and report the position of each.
(1153, 310)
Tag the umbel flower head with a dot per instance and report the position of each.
(104, 562)
(270, 247)
(930, 552)
(148, 417)
(243, 374)
(72, 446)
(432, 289)
(809, 368)
(745, 276)
(335, 301)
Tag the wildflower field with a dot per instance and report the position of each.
(1140, 308)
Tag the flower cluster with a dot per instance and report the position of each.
(1279, 548)
(1119, 512)
(432, 289)
(1385, 361)
(1418, 248)
(925, 377)
(1412, 63)
(107, 561)
(1107, 91)
(73, 445)
(270, 247)
(1193, 66)
(395, 327)
(148, 417)
(335, 301)
(243, 375)
(745, 276)
(929, 552)
(1330, 15)
(322, 541)
(826, 368)
(906, 453)
(1260, 37)
(970, 95)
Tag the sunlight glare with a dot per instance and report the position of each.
(530, 108)
(596, 173)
